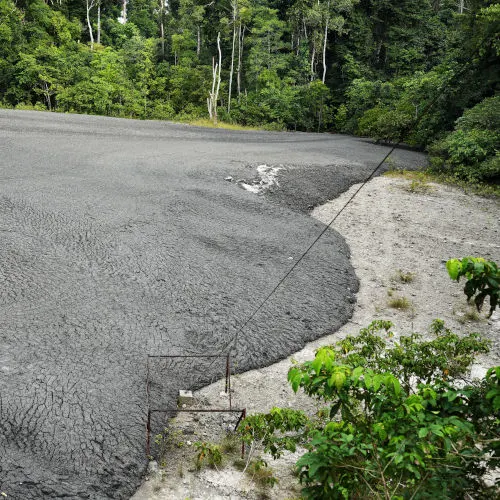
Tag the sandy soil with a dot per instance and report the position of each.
(389, 228)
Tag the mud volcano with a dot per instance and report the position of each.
(119, 239)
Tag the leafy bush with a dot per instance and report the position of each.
(279, 104)
(208, 453)
(363, 95)
(397, 424)
(159, 110)
(483, 279)
(471, 152)
(402, 112)
(384, 123)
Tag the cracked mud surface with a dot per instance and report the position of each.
(410, 231)
(120, 239)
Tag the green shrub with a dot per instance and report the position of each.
(208, 453)
(483, 279)
(398, 423)
(471, 151)
(386, 124)
(485, 115)
(159, 110)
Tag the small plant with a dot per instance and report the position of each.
(483, 279)
(162, 442)
(165, 440)
(405, 277)
(470, 314)
(230, 443)
(208, 453)
(399, 303)
(418, 186)
(239, 464)
(261, 473)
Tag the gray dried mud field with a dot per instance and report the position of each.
(120, 239)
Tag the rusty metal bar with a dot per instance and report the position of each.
(148, 435)
(227, 372)
(147, 381)
(228, 379)
(242, 417)
(186, 356)
(187, 410)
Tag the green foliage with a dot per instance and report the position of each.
(208, 453)
(483, 279)
(275, 430)
(165, 441)
(396, 423)
(261, 473)
(396, 71)
(471, 151)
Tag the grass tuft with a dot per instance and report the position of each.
(426, 176)
(261, 474)
(399, 303)
(230, 443)
(204, 122)
(405, 277)
(469, 315)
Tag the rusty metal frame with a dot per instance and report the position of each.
(242, 412)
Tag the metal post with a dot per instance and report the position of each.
(243, 416)
(228, 379)
(148, 435)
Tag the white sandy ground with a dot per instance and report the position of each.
(388, 228)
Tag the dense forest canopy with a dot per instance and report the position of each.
(422, 71)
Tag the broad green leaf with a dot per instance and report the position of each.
(377, 382)
(337, 379)
(453, 266)
(368, 380)
(356, 373)
(478, 267)
(316, 365)
(423, 432)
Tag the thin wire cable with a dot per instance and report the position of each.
(408, 129)
(301, 258)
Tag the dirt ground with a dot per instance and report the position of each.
(393, 226)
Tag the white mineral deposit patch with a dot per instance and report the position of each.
(268, 177)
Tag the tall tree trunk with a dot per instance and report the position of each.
(313, 55)
(162, 26)
(90, 4)
(124, 11)
(214, 94)
(241, 39)
(46, 92)
(99, 22)
(162, 38)
(324, 44)
(198, 45)
(218, 75)
(231, 71)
